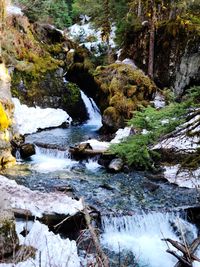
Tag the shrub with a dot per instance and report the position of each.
(157, 123)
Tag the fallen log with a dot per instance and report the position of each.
(188, 252)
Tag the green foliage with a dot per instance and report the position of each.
(157, 123)
(52, 11)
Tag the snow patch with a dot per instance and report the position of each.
(52, 250)
(38, 203)
(98, 145)
(14, 10)
(181, 141)
(159, 101)
(30, 119)
(182, 177)
(121, 134)
(102, 146)
(88, 36)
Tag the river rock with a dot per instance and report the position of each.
(116, 165)
(6, 159)
(27, 150)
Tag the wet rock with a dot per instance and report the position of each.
(6, 159)
(27, 150)
(106, 186)
(150, 186)
(116, 165)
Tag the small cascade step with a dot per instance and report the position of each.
(93, 111)
(142, 235)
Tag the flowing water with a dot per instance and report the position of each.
(121, 198)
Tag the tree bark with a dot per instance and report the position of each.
(139, 11)
(151, 39)
(100, 252)
(2, 21)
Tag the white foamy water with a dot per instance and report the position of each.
(92, 165)
(93, 111)
(50, 160)
(142, 235)
(30, 119)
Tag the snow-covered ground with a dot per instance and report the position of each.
(181, 141)
(88, 36)
(30, 119)
(182, 177)
(51, 249)
(14, 10)
(36, 202)
(102, 146)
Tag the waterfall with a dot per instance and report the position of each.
(49, 160)
(142, 235)
(93, 111)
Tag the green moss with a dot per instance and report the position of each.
(124, 88)
(74, 93)
(191, 161)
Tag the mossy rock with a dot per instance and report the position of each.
(112, 119)
(8, 236)
(49, 90)
(123, 88)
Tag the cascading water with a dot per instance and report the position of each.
(49, 160)
(142, 234)
(93, 111)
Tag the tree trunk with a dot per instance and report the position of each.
(2, 20)
(139, 11)
(151, 39)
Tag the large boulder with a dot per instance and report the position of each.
(122, 89)
(27, 150)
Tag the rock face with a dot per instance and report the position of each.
(6, 112)
(177, 55)
(38, 56)
(8, 237)
(122, 88)
(49, 91)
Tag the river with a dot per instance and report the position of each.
(136, 213)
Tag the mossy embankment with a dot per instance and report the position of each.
(38, 56)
